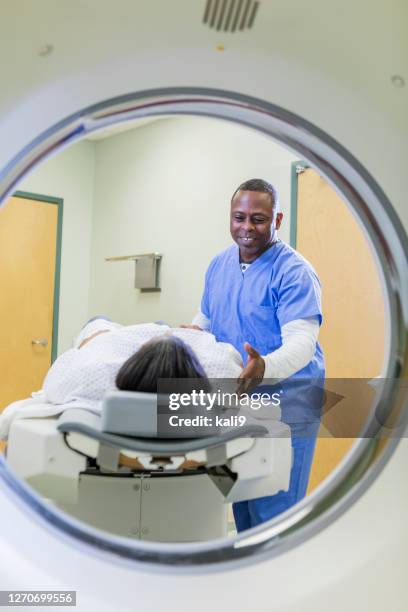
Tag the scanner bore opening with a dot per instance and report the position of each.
(387, 237)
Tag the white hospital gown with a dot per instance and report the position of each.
(85, 374)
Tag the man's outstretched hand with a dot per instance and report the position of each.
(253, 372)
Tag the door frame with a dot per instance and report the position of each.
(59, 202)
(293, 198)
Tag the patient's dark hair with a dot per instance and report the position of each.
(167, 357)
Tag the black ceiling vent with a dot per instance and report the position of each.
(230, 15)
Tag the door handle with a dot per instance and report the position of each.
(42, 342)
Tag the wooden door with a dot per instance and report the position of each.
(28, 280)
(353, 332)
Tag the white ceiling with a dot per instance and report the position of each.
(361, 43)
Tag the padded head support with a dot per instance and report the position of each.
(129, 420)
(130, 413)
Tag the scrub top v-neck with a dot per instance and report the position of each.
(252, 306)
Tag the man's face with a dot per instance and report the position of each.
(251, 223)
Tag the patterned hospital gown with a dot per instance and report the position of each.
(86, 374)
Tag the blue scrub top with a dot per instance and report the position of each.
(278, 287)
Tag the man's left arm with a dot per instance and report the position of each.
(299, 313)
(299, 339)
(298, 348)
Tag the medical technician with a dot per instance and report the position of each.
(264, 298)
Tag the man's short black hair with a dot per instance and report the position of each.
(263, 187)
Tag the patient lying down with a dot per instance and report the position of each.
(108, 355)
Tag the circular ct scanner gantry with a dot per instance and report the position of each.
(325, 79)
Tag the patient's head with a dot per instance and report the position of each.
(163, 357)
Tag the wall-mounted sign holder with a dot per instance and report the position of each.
(146, 270)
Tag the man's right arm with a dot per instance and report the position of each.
(201, 321)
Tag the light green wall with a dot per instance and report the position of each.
(166, 187)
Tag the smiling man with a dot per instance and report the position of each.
(264, 298)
